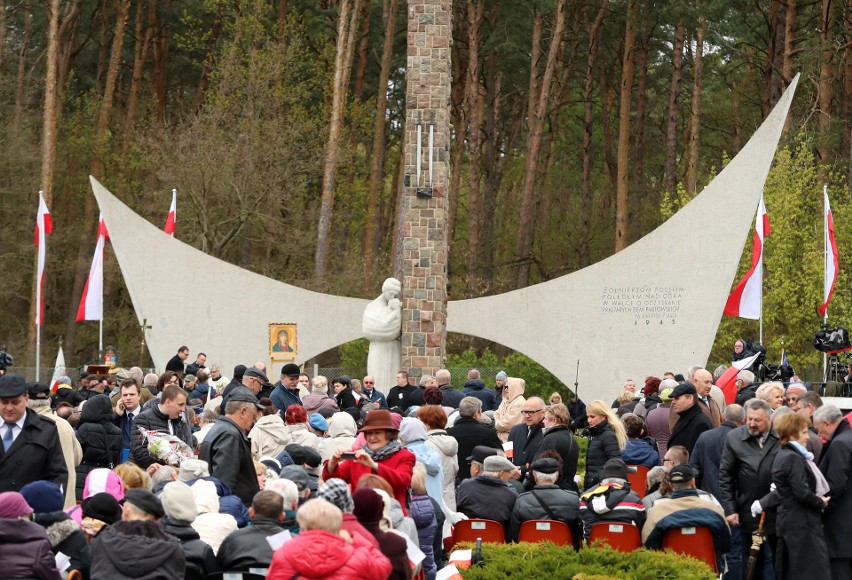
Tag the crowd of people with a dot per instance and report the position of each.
(189, 473)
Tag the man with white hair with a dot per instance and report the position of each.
(836, 464)
(547, 501)
(746, 389)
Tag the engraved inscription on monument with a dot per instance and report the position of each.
(644, 304)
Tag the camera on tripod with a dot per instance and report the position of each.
(829, 339)
(6, 359)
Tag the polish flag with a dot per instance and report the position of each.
(172, 219)
(728, 381)
(746, 299)
(448, 573)
(461, 558)
(92, 302)
(831, 264)
(44, 226)
(58, 370)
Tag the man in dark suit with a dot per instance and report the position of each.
(707, 453)
(469, 433)
(836, 462)
(29, 444)
(692, 421)
(126, 410)
(526, 437)
(176, 363)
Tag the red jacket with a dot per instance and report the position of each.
(316, 554)
(396, 469)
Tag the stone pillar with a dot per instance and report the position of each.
(424, 203)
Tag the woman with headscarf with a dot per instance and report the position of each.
(269, 436)
(435, 420)
(25, 551)
(508, 414)
(608, 439)
(382, 454)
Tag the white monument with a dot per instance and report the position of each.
(653, 307)
(381, 325)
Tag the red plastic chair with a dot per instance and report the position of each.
(535, 531)
(639, 480)
(469, 530)
(624, 537)
(696, 542)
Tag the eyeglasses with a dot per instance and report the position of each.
(525, 412)
(368, 382)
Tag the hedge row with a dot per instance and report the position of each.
(598, 562)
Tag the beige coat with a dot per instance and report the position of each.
(509, 413)
(269, 436)
(71, 450)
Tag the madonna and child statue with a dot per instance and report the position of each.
(382, 324)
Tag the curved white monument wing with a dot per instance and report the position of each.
(170, 286)
(651, 308)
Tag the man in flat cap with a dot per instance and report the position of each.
(686, 509)
(138, 546)
(226, 447)
(547, 501)
(30, 449)
(489, 496)
(286, 392)
(692, 421)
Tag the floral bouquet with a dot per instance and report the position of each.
(167, 448)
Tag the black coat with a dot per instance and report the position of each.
(200, 558)
(745, 394)
(141, 550)
(836, 465)
(99, 438)
(603, 446)
(152, 419)
(692, 423)
(559, 505)
(227, 451)
(345, 399)
(63, 395)
(487, 498)
(802, 552)
(400, 397)
(175, 364)
(469, 433)
(248, 548)
(452, 397)
(476, 388)
(745, 475)
(560, 439)
(707, 455)
(35, 454)
(65, 536)
(525, 444)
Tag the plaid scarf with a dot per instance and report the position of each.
(384, 452)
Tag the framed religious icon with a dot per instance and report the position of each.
(283, 341)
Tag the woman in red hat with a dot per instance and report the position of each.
(382, 455)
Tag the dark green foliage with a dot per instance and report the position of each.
(549, 561)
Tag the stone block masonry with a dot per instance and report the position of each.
(424, 259)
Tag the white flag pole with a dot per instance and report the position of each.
(825, 242)
(38, 350)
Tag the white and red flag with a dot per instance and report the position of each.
(172, 219)
(44, 226)
(58, 370)
(746, 301)
(831, 263)
(92, 301)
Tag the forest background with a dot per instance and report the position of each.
(269, 117)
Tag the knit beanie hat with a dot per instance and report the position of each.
(336, 491)
(43, 496)
(368, 505)
(13, 505)
(102, 506)
(178, 502)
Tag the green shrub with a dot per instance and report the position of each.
(598, 562)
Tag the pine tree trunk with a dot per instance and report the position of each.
(348, 19)
(674, 108)
(141, 47)
(624, 107)
(161, 59)
(588, 119)
(695, 113)
(362, 55)
(607, 104)
(634, 230)
(769, 73)
(825, 92)
(475, 210)
(375, 189)
(122, 11)
(457, 118)
(538, 115)
(20, 92)
(282, 17)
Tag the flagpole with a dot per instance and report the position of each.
(101, 335)
(38, 350)
(825, 243)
